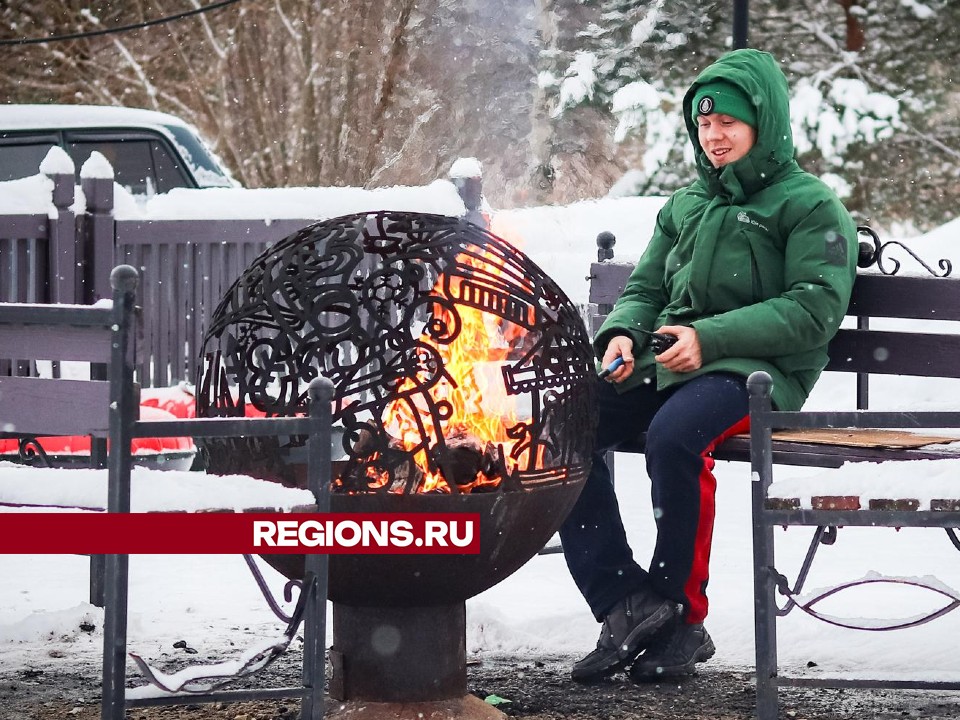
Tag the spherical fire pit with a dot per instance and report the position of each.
(464, 383)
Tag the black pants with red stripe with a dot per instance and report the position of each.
(683, 425)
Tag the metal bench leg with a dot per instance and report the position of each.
(759, 386)
(765, 622)
(113, 704)
(314, 638)
(97, 564)
(98, 459)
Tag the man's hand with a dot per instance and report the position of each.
(685, 355)
(619, 346)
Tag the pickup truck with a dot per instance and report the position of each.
(151, 152)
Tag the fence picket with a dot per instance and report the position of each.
(185, 267)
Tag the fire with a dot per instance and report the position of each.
(470, 393)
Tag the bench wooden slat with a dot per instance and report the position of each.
(881, 352)
(827, 456)
(809, 454)
(881, 296)
(895, 353)
(45, 342)
(80, 406)
(80, 315)
(884, 352)
(919, 298)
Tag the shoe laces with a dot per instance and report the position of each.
(670, 640)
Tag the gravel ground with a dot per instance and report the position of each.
(537, 690)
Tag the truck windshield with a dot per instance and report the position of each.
(207, 171)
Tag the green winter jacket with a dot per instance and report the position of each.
(759, 257)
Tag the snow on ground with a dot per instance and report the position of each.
(150, 490)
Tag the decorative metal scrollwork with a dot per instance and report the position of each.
(808, 605)
(872, 253)
(267, 594)
(826, 535)
(431, 329)
(204, 679)
(31, 452)
(954, 540)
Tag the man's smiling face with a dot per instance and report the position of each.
(724, 138)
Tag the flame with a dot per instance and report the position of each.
(471, 388)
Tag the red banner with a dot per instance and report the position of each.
(238, 533)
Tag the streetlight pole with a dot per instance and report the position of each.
(740, 23)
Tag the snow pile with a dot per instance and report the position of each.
(151, 490)
(96, 166)
(27, 196)
(921, 480)
(57, 162)
(465, 167)
(563, 240)
(440, 197)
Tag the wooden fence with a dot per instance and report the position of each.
(185, 267)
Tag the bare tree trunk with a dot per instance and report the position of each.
(855, 37)
(343, 92)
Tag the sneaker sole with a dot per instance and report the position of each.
(629, 649)
(702, 654)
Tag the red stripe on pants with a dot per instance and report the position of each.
(694, 589)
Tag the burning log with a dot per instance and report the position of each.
(467, 464)
(472, 465)
(373, 468)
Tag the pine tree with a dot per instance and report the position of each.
(875, 104)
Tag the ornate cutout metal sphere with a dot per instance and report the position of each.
(459, 365)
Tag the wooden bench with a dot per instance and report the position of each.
(108, 409)
(830, 439)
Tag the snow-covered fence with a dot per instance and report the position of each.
(57, 245)
(52, 255)
(38, 262)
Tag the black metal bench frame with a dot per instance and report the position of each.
(108, 409)
(768, 582)
(859, 350)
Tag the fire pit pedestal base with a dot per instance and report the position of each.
(398, 654)
(469, 707)
(402, 663)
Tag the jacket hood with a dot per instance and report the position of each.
(761, 79)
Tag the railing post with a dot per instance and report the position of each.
(605, 242)
(62, 242)
(96, 180)
(317, 565)
(467, 176)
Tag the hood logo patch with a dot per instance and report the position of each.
(705, 106)
(744, 218)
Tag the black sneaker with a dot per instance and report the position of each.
(673, 652)
(626, 629)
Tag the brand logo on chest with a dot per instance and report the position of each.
(744, 218)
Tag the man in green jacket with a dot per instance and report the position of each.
(749, 268)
